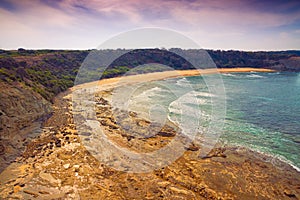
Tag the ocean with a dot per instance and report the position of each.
(262, 110)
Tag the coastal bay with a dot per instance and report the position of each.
(63, 165)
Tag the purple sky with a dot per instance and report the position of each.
(213, 24)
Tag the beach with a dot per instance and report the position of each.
(113, 82)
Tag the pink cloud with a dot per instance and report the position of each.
(98, 18)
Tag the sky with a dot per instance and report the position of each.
(213, 24)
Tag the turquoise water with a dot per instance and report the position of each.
(263, 109)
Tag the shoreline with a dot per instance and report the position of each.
(154, 76)
(275, 160)
(108, 84)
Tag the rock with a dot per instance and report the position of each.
(2, 148)
(177, 190)
(21, 106)
(17, 188)
(296, 139)
(76, 168)
(66, 166)
(216, 152)
(21, 110)
(86, 133)
(33, 193)
(143, 123)
(49, 178)
(43, 192)
(132, 114)
(55, 196)
(289, 193)
(193, 147)
(101, 101)
(109, 123)
(58, 143)
(167, 131)
(163, 184)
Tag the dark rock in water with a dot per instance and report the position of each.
(297, 140)
(167, 131)
(193, 147)
(86, 133)
(217, 152)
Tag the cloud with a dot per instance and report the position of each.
(234, 19)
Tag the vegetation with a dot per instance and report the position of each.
(49, 72)
(44, 72)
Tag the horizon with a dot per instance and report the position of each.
(79, 25)
(162, 48)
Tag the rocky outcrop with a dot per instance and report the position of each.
(21, 113)
(56, 165)
(291, 64)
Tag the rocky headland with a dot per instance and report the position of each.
(56, 165)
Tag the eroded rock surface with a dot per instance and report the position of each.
(21, 114)
(57, 166)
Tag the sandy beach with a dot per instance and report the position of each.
(113, 82)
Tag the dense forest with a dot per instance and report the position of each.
(49, 72)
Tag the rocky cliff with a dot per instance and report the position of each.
(21, 113)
